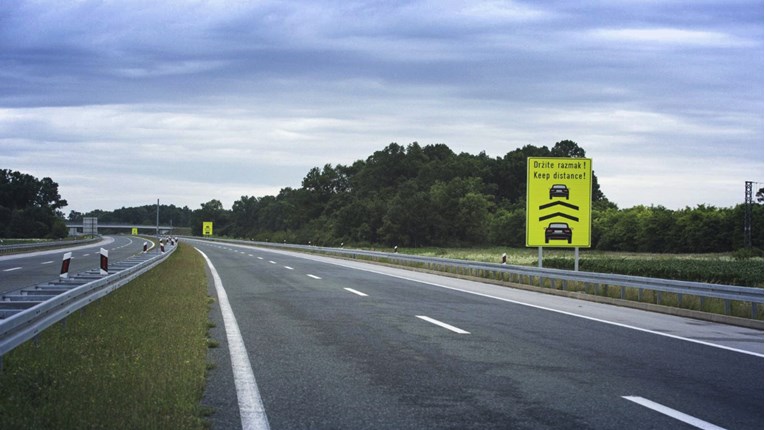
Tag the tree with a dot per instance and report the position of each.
(567, 148)
(210, 211)
(29, 207)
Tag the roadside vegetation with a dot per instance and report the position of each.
(429, 196)
(30, 207)
(135, 359)
(710, 268)
(721, 268)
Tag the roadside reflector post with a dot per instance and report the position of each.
(504, 258)
(65, 265)
(162, 246)
(145, 247)
(104, 262)
(395, 249)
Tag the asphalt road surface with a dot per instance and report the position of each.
(28, 269)
(344, 345)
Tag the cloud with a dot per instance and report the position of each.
(233, 95)
(669, 37)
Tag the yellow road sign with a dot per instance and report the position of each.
(207, 228)
(558, 202)
(134, 231)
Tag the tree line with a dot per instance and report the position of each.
(140, 215)
(30, 207)
(403, 196)
(430, 196)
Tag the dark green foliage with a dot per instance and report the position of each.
(407, 196)
(703, 229)
(29, 207)
(721, 271)
(429, 196)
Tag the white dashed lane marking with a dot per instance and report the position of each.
(358, 293)
(442, 324)
(688, 419)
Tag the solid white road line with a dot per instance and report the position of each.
(359, 293)
(701, 424)
(11, 269)
(251, 409)
(313, 276)
(442, 324)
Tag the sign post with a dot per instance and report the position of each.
(558, 203)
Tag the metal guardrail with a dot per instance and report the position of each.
(5, 249)
(553, 277)
(26, 312)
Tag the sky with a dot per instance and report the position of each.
(123, 102)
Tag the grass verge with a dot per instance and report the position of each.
(135, 359)
(714, 268)
(651, 265)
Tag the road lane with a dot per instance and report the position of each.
(328, 359)
(36, 267)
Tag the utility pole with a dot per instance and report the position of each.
(158, 223)
(748, 202)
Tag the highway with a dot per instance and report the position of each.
(27, 269)
(334, 344)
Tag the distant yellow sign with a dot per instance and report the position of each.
(558, 202)
(134, 231)
(207, 228)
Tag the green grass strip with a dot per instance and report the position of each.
(135, 359)
(713, 268)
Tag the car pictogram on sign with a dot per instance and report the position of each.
(558, 231)
(559, 190)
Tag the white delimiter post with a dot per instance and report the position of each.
(64, 274)
(104, 262)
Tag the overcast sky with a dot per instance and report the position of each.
(126, 102)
